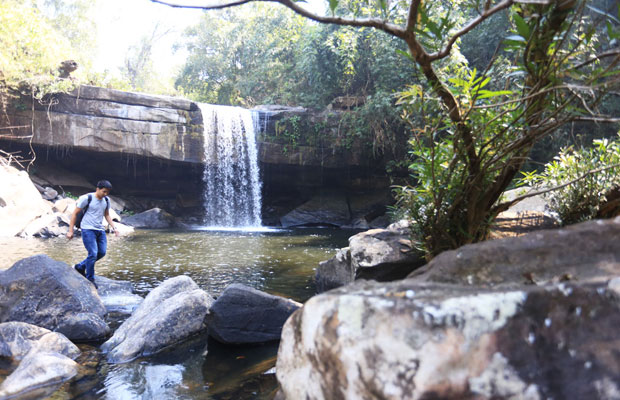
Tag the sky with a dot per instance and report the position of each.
(122, 23)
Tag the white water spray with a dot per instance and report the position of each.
(232, 196)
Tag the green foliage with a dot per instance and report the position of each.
(581, 199)
(32, 50)
(475, 133)
(261, 54)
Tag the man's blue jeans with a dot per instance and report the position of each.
(96, 244)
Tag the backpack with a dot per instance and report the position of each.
(78, 218)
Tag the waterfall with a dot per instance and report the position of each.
(232, 196)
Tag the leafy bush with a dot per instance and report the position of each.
(584, 176)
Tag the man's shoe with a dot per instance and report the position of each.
(82, 271)
(93, 282)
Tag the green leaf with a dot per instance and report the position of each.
(485, 94)
(515, 38)
(522, 27)
(333, 4)
(406, 54)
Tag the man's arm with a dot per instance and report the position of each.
(110, 221)
(72, 222)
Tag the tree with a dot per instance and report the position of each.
(472, 134)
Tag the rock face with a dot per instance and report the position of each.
(531, 317)
(50, 294)
(20, 201)
(172, 312)
(242, 314)
(582, 252)
(112, 121)
(19, 338)
(379, 254)
(151, 219)
(408, 340)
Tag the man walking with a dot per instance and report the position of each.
(97, 207)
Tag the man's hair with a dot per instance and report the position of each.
(104, 185)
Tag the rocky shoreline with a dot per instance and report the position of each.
(530, 315)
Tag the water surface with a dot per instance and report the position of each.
(281, 262)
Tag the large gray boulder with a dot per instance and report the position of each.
(582, 252)
(379, 254)
(408, 340)
(19, 338)
(322, 209)
(532, 317)
(171, 313)
(155, 218)
(242, 314)
(51, 294)
(46, 357)
(38, 369)
(20, 201)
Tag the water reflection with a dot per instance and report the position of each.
(281, 262)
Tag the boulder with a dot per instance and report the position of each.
(154, 218)
(65, 206)
(242, 314)
(49, 193)
(18, 338)
(20, 201)
(379, 254)
(36, 370)
(323, 209)
(581, 252)
(51, 294)
(47, 226)
(171, 313)
(118, 296)
(410, 340)
(123, 229)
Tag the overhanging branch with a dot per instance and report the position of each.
(376, 23)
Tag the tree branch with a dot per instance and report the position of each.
(376, 23)
(471, 25)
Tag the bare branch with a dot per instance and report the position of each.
(376, 23)
(471, 25)
(610, 53)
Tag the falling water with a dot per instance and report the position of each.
(232, 196)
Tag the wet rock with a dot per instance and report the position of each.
(410, 340)
(154, 218)
(38, 369)
(242, 314)
(51, 294)
(19, 338)
(379, 254)
(118, 296)
(20, 201)
(49, 193)
(171, 313)
(322, 209)
(582, 252)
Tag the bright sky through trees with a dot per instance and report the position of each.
(122, 23)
